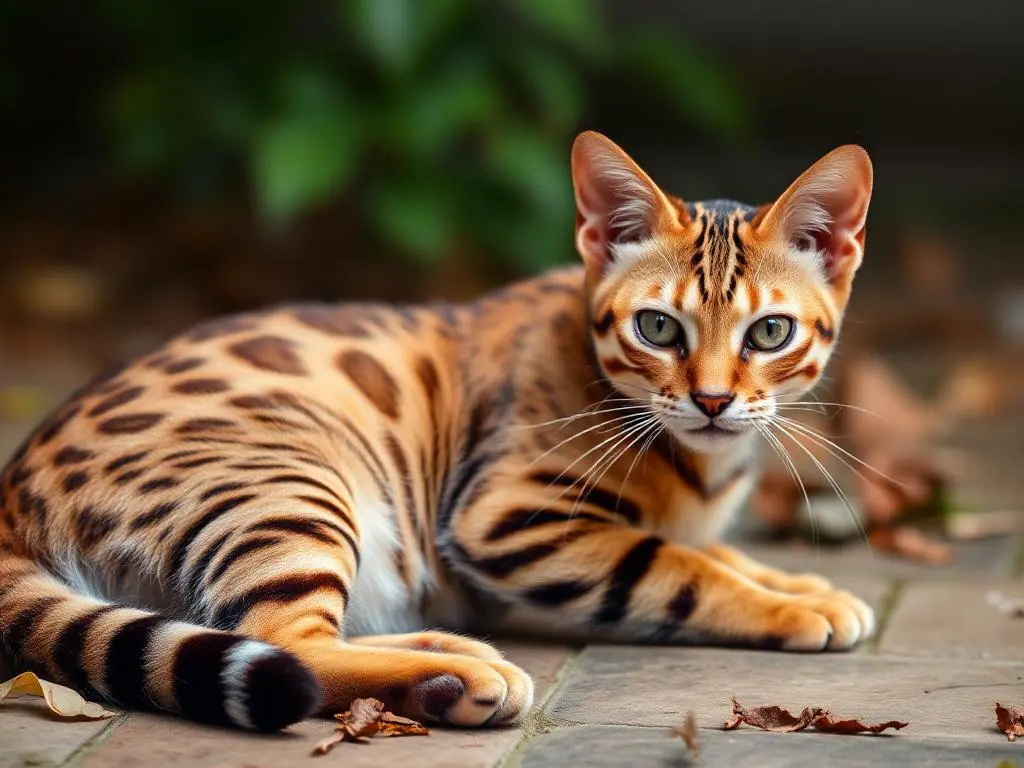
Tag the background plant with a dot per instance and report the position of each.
(444, 123)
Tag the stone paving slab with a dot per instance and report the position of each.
(149, 739)
(982, 559)
(601, 746)
(30, 735)
(944, 699)
(955, 620)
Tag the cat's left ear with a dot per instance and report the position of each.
(824, 211)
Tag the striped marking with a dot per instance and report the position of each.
(239, 661)
(229, 614)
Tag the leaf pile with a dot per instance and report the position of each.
(1010, 721)
(366, 719)
(688, 733)
(779, 720)
(62, 701)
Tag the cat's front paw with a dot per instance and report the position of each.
(800, 584)
(833, 621)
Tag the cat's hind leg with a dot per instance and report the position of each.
(434, 642)
(293, 592)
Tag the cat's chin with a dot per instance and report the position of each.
(711, 439)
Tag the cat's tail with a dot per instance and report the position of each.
(137, 659)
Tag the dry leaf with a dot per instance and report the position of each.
(779, 720)
(396, 725)
(910, 543)
(688, 733)
(365, 719)
(362, 720)
(967, 526)
(63, 701)
(326, 745)
(830, 724)
(1010, 720)
(771, 718)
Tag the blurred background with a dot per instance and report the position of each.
(163, 162)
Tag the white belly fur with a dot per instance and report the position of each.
(379, 601)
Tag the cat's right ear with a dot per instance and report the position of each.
(616, 202)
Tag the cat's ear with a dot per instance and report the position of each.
(823, 212)
(616, 202)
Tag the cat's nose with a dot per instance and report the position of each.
(712, 404)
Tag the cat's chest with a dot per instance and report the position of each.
(698, 516)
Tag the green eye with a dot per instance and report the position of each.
(770, 333)
(659, 329)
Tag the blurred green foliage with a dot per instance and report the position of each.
(441, 124)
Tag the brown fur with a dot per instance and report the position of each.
(303, 475)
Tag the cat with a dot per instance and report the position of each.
(256, 522)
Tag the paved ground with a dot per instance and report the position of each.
(942, 659)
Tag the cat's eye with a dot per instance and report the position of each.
(659, 329)
(770, 334)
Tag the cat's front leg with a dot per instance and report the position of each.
(609, 579)
(765, 575)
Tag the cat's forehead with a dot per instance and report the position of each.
(719, 212)
(716, 267)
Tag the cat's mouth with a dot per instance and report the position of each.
(713, 430)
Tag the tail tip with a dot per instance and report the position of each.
(267, 688)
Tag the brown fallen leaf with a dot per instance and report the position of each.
(771, 718)
(688, 733)
(326, 745)
(362, 720)
(779, 720)
(830, 724)
(1010, 720)
(910, 543)
(396, 725)
(366, 719)
(62, 701)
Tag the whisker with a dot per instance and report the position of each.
(643, 449)
(581, 415)
(603, 424)
(819, 439)
(637, 434)
(581, 493)
(832, 482)
(831, 405)
(635, 419)
(783, 454)
(637, 386)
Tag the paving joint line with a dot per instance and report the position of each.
(538, 722)
(886, 608)
(97, 739)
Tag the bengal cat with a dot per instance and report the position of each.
(256, 522)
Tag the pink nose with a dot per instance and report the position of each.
(712, 404)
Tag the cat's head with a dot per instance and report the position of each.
(713, 310)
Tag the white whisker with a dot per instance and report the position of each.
(783, 454)
(831, 481)
(824, 442)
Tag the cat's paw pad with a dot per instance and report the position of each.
(834, 621)
(474, 693)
